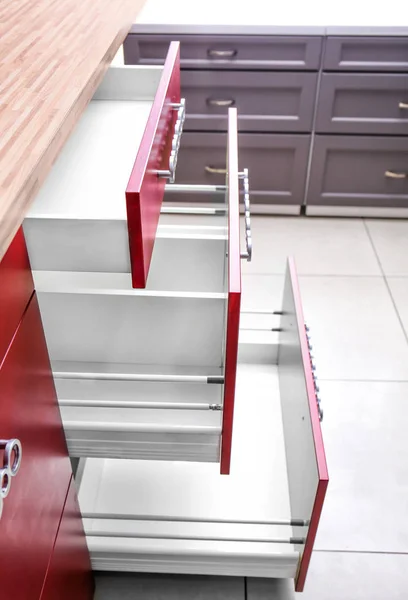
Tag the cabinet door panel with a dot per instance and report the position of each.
(363, 103)
(16, 287)
(366, 54)
(227, 51)
(32, 510)
(69, 575)
(359, 171)
(271, 102)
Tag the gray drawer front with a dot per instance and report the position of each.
(363, 103)
(350, 171)
(277, 165)
(265, 101)
(227, 52)
(366, 54)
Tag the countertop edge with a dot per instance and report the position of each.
(296, 30)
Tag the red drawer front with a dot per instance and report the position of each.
(16, 288)
(234, 291)
(145, 190)
(33, 508)
(69, 575)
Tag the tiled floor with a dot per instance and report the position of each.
(354, 282)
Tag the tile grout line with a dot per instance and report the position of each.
(270, 274)
(386, 282)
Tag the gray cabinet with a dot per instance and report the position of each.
(359, 171)
(277, 165)
(227, 51)
(366, 54)
(363, 103)
(265, 101)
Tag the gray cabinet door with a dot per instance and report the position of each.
(227, 51)
(363, 103)
(359, 171)
(265, 101)
(366, 54)
(277, 165)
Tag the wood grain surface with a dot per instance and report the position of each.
(53, 55)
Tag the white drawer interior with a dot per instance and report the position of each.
(138, 499)
(134, 369)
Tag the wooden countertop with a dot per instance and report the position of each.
(53, 54)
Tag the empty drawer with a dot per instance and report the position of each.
(363, 103)
(266, 102)
(277, 166)
(366, 54)
(227, 51)
(106, 177)
(359, 171)
(262, 520)
(150, 374)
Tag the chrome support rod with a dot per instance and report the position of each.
(187, 188)
(192, 210)
(139, 405)
(198, 538)
(176, 519)
(154, 377)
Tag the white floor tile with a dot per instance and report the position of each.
(365, 433)
(129, 586)
(342, 576)
(399, 292)
(355, 330)
(320, 246)
(390, 239)
(262, 292)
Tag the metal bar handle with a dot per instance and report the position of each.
(248, 232)
(395, 175)
(215, 170)
(312, 363)
(11, 465)
(175, 144)
(221, 102)
(222, 53)
(403, 105)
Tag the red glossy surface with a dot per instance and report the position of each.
(145, 190)
(234, 292)
(323, 476)
(32, 510)
(16, 288)
(69, 575)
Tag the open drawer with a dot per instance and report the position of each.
(150, 373)
(260, 521)
(99, 208)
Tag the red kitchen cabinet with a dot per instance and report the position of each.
(69, 573)
(32, 509)
(16, 288)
